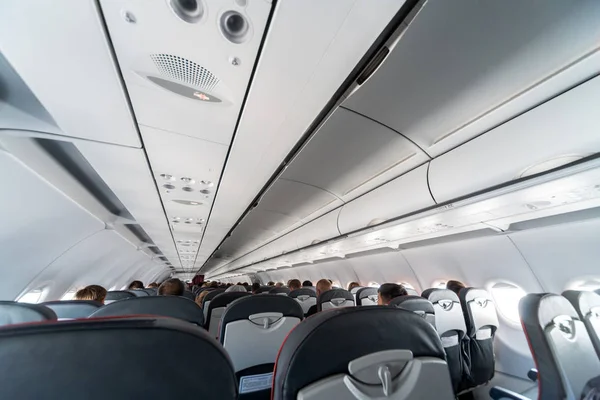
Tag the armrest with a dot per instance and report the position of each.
(498, 393)
(533, 374)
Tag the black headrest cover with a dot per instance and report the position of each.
(114, 295)
(212, 295)
(413, 303)
(279, 290)
(165, 306)
(264, 289)
(333, 294)
(302, 292)
(138, 292)
(319, 338)
(124, 358)
(427, 292)
(243, 307)
(12, 312)
(222, 300)
(73, 308)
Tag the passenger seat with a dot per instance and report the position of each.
(366, 296)
(12, 312)
(335, 298)
(404, 360)
(208, 298)
(280, 290)
(587, 305)
(73, 309)
(216, 309)
(125, 358)
(420, 306)
(306, 297)
(252, 331)
(116, 295)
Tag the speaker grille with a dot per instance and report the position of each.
(184, 70)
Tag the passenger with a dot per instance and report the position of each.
(389, 291)
(294, 284)
(152, 285)
(245, 285)
(307, 284)
(255, 287)
(455, 286)
(236, 288)
(279, 284)
(201, 297)
(323, 285)
(135, 285)
(171, 287)
(352, 285)
(214, 284)
(271, 283)
(91, 292)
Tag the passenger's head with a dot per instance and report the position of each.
(279, 284)
(214, 284)
(294, 284)
(352, 285)
(271, 283)
(135, 285)
(236, 288)
(323, 285)
(307, 284)
(245, 284)
(171, 287)
(389, 291)
(91, 292)
(255, 287)
(201, 297)
(455, 286)
(152, 285)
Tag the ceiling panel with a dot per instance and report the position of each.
(459, 60)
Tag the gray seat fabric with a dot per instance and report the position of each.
(481, 321)
(138, 292)
(151, 291)
(72, 309)
(306, 297)
(406, 361)
(116, 295)
(560, 344)
(366, 296)
(217, 307)
(450, 325)
(264, 289)
(12, 312)
(208, 298)
(166, 306)
(189, 295)
(587, 305)
(335, 298)
(420, 306)
(124, 358)
(284, 291)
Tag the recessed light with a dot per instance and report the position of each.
(188, 202)
(169, 186)
(205, 191)
(187, 189)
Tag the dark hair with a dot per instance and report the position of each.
(135, 285)
(307, 283)
(352, 285)
(389, 291)
(255, 286)
(294, 284)
(271, 283)
(245, 284)
(455, 286)
(214, 284)
(171, 287)
(153, 285)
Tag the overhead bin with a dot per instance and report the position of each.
(460, 60)
(403, 195)
(557, 132)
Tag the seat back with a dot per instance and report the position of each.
(264, 289)
(12, 312)
(115, 295)
(151, 291)
(188, 295)
(216, 309)
(208, 298)
(587, 305)
(138, 292)
(560, 344)
(252, 331)
(366, 296)
(354, 290)
(481, 322)
(165, 306)
(420, 306)
(335, 298)
(284, 291)
(73, 309)
(450, 325)
(89, 358)
(305, 297)
(406, 361)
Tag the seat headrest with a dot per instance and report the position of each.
(224, 299)
(322, 336)
(189, 295)
(151, 291)
(479, 310)
(12, 312)
(302, 292)
(364, 293)
(165, 306)
(213, 293)
(88, 356)
(246, 306)
(280, 290)
(413, 303)
(138, 292)
(355, 289)
(265, 289)
(427, 292)
(583, 301)
(437, 295)
(333, 294)
(73, 308)
(115, 295)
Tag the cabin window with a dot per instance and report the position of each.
(374, 284)
(507, 297)
(69, 295)
(33, 296)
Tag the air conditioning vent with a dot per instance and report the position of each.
(185, 71)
